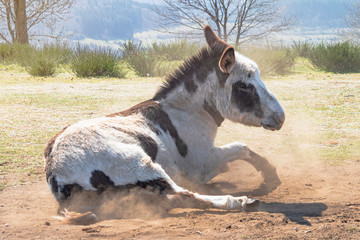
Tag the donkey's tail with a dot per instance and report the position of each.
(75, 218)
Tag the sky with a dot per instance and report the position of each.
(316, 20)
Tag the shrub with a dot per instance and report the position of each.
(164, 68)
(159, 59)
(139, 58)
(37, 61)
(15, 53)
(96, 61)
(342, 57)
(175, 51)
(302, 49)
(6, 51)
(41, 65)
(60, 53)
(45, 60)
(278, 60)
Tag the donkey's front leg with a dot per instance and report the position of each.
(221, 156)
(233, 151)
(236, 151)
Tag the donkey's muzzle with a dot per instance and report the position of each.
(275, 122)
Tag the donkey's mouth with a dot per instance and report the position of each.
(275, 122)
(271, 127)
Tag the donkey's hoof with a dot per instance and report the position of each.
(251, 204)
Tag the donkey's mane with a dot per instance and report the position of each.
(184, 73)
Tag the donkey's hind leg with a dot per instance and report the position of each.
(186, 199)
(180, 197)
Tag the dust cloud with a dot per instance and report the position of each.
(292, 150)
(113, 203)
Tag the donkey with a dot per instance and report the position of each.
(160, 141)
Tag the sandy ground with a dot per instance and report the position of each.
(314, 201)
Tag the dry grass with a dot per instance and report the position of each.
(323, 112)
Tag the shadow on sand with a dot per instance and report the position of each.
(295, 212)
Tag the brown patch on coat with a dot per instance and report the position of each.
(139, 108)
(197, 66)
(155, 115)
(214, 113)
(246, 98)
(147, 143)
(100, 180)
(160, 184)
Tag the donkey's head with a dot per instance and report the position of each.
(242, 96)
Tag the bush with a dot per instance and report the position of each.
(278, 60)
(164, 68)
(41, 65)
(37, 61)
(97, 61)
(159, 59)
(45, 60)
(342, 57)
(302, 49)
(139, 58)
(15, 53)
(175, 51)
(6, 51)
(60, 53)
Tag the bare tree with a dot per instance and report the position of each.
(242, 19)
(19, 18)
(352, 21)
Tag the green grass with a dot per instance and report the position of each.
(322, 110)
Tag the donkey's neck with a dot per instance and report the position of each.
(195, 96)
(192, 87)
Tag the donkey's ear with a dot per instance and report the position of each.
(227, 59)
(211, 37)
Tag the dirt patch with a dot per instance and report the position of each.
(314, 201)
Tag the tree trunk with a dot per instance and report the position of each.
(21, 22)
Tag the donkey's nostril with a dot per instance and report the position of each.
(280, 117)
